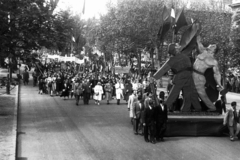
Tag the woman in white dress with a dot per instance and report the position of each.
(98, 91)
(119, 91)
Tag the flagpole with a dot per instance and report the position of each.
(173, 26)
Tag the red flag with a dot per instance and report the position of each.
(188, 40)
(165, 14)
(164, 28)
(166, 24)
(180, 21)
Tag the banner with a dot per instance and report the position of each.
(121, 70)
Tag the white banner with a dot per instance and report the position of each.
(67, 59)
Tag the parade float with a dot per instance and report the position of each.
(197, 79)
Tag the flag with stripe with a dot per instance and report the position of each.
(173, 16)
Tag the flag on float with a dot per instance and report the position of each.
(164, 28)
(188, 40)
(166, 23)
(180, 21)
(173, 16)
(165, 13)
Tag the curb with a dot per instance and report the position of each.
(14, 129)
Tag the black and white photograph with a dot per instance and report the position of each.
(120, 80)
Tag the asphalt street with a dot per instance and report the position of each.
(51, 128)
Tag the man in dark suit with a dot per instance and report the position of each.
(149, 122)
(220, 105)
(161, 120)
(86, 91)
(137, 111)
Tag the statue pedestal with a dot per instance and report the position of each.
(195, 126)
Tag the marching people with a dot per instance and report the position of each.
(137, 115)
(131, 101)
(34, 75)
(119, 91)
(221, 105)
(77, 90)
(231, 120)
(98, 91)
(149, 122)
(128, 90)
(65, 90)
(58, 84)
(108, 91)
(86, 91)
(25, 77)
(161, 120)
(40, 86)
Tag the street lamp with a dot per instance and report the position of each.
(9, 76)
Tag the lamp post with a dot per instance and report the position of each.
(9, 76)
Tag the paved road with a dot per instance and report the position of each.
(55, 129)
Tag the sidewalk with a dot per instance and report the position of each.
(3, 75)
(8, 118)
(8, 124)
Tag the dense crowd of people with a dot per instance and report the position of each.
(148, 115)
(233, 83)
(147, 112)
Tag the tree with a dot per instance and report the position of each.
(27, 23)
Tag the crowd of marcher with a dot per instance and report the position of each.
(147, 112)
(233, 82)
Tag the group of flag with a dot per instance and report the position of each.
(171, 21)
(83, 12)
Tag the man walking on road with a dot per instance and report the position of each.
(25, 77)
(161, 120)
(86, 92)
(231, 120)
(149, 123)
(131, 101)
(137, 111)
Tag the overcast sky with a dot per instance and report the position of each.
(92, 7)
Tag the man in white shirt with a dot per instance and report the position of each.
(131, 101)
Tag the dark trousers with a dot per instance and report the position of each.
(86, 97)
(118, 101)
(150, 131)
(136, 124)
(34, 81)
(161, 127)
(77, 97)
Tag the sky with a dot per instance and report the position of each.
(92, 7)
